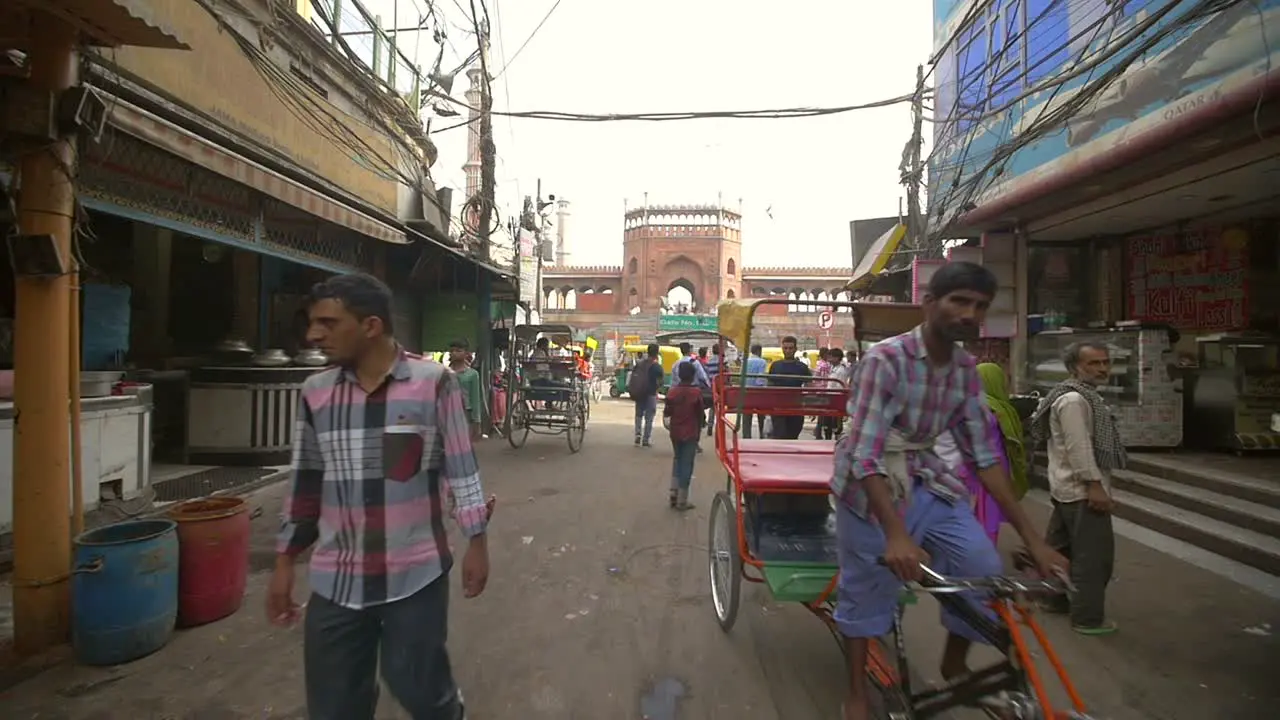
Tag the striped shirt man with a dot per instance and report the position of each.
(896, 387)
(372, 472)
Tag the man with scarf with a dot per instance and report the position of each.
(899, 505)
(1084, 448)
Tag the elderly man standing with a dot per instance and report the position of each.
(1084, 448)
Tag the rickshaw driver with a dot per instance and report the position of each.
(896, 497)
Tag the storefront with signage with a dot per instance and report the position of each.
(1147, 211)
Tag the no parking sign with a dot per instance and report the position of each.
(825, 320)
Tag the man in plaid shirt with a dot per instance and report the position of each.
(899, 504)
(382, 440)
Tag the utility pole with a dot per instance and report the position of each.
(488, 153)
(42, 365)
(912, 170)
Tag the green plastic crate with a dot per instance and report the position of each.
(804, 582)
(798, 582)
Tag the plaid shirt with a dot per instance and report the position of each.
(896, 387)
(367, 487)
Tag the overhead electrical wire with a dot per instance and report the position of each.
(322, 119)
(525, 44)
(1045, 123)
(1048, 121)
(951, 125)
(769, 114)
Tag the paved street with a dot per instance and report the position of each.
(598, 608)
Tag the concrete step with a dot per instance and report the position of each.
(1224, 538)
(1255, 490)
(1210, 503)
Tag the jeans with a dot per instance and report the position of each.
(343, 649)
(646, 408)
(684, 452)
(747, 420)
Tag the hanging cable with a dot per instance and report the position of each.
(525, 44)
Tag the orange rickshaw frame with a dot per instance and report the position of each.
(1017, 671)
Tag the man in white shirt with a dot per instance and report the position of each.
(1084, 448)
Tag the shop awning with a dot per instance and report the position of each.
(108, 23)
(502, 277)
(153, 129)
(877, 258)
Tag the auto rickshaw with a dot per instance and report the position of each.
(633, 354)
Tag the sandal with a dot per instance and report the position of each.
(1107, 628)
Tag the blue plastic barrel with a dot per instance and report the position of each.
(124, 591)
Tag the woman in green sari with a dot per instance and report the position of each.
(993, 383)
(1002, 421)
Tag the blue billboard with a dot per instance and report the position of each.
(1026, 89)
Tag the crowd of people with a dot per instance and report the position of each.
(933, 464)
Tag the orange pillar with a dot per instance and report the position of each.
(41, 488)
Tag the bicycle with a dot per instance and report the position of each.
(1011, 688)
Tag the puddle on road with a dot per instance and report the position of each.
(662, 700)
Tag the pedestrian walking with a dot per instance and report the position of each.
(642, 387)
(380, 437)
(712, 366)
(700, 379)
(839, 375)
(685, 409)
(1084, 448)
(790, 371)
(755, 367)
(460, 360)
(820, 374)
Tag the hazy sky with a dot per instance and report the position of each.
(811, 175)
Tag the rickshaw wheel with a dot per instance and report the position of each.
(614, 392)
(724, 561)
(577, 429)
(517, 425)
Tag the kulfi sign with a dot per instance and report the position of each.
(1193, 281)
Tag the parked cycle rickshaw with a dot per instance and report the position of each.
(549, 395)
(775, 525)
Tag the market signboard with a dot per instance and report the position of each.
(528, 267)
(1196, 281)
(672, 323)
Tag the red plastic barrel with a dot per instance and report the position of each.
(213, 565)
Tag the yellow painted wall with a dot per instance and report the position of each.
(217, 79)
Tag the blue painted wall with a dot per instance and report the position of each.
(1014, 46)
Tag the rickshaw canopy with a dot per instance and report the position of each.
(561, 334)
(871, 321)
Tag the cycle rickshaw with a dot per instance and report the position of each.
(548, 394)
(774, 524)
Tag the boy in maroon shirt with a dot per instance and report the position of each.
(687, 413)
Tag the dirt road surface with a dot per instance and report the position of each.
(598, 609)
